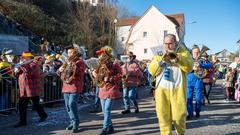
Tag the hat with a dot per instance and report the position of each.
(100, 52)
(27, 54)
(105, 50)
(7, 51)
(57, 56)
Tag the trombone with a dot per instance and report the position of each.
(9, 69)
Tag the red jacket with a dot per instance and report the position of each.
(29, 80)
(134, 74)
(76, 84)
(110, 88)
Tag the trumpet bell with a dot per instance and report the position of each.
(172, 55)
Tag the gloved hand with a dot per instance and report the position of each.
(162, 64)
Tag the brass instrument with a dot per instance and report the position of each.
(168, 59)
(69, 68)
(201, 72)
(102, 70)
(125, 59)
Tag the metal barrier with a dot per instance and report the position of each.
(52, 89)
(8, 93)
(52, 92)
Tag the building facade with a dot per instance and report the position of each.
(140, 34)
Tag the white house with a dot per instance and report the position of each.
(147, 31)
(223, 56)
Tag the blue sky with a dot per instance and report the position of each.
(218, 21)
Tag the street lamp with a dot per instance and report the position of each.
(238, 44)
(112, 32)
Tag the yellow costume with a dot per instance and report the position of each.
(171, 94)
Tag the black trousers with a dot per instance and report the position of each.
(23, 104)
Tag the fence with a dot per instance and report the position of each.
(9, 92)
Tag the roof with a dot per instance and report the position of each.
(224, 50)
(128, 21)
(177, 19)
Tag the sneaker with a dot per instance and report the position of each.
(19, 125)
(42, 119)
(94, 111)
(75, 130)
(197, 115)
(136, 110)
(126, 111)
(208, 101)
(110, 129)
(70, 127)
(189, 117)
(104, 132)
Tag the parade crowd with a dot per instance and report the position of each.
(175, 79)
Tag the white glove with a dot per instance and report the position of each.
(16, 70)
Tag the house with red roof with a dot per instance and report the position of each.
(140, 34)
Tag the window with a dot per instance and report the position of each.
(145, 50)
(122, 38)
(144, 34)
(165, 32)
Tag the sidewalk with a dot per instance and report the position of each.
(218, 118)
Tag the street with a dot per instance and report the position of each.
(217, 118)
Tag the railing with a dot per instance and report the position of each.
(8, 93)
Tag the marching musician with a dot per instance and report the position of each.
(72, 75)
(171, 85)
(109, 75)
(196, 83)
(30, 88)
(132, 76)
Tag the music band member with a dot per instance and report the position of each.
(132, 77)
(29, 79)
(109, 75)
(171, 83)
(196, 83)
(72, 73)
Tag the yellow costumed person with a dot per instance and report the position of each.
(171, 71)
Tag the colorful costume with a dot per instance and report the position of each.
(195, 83)
(171, 91)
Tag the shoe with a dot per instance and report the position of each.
(189, 117)
(94, 111)
(104, 132)
(75, 130)
(110, 130)
(126, 111)
(19, 125)
(197, 115)
(70, 127)
(208, 102)
(136, 110)
(43, 118)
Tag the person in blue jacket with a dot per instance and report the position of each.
(195, 83)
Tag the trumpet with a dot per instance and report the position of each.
(10, 69)
(168, 59)
(201, 72)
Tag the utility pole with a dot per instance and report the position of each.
(238, 44)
